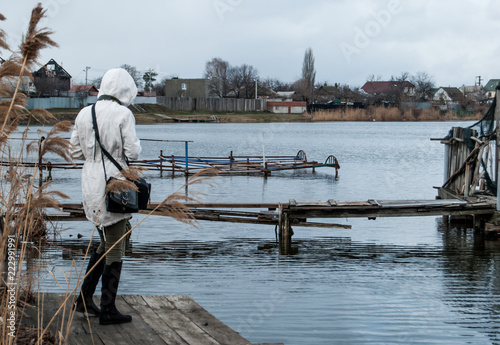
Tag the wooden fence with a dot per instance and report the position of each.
(211, 104)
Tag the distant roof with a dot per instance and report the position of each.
(76, 88)
(374, 87)
(492, 85)
(287, 94)
(58, 69)
(454, 93)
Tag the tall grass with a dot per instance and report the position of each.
(22, 200)
(389, 114)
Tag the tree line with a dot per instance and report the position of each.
(243, 81)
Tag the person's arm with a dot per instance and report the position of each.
(131, 144)
(76, 148)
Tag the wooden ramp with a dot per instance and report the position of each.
(155, 320)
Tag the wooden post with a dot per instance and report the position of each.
(186, 150)
(161, 163)
(285, 232)
(173, 166)
(40, 171)
(446, 162)
(467, 179)
(497, 119)
(49, 169)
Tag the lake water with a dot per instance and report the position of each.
(387, 281)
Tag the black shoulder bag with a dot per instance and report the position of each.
(129, 201)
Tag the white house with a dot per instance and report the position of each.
(286, 107)
(448, 97)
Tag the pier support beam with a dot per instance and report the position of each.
(497, 121)
(285, 232)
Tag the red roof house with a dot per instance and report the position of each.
(91, 89)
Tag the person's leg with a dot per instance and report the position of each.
(85, 303)
(111, 276)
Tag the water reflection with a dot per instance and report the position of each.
(472, 278)
(352, 290)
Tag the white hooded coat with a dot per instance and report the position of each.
(116, 125)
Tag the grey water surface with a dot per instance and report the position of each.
(385, 281)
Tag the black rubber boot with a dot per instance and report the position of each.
(88, 287)
(110, 280)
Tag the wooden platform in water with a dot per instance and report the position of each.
(155, 320)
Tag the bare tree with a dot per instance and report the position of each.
(274, 84)
(405, 76)
(218, 70)
(134, 74)
(159, 87)
(373, 77)
(249, 77)
(97, 82)
(423, 86)
(235, 80)
(308, 75)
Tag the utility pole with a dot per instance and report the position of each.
(479, 80)
(86, 76)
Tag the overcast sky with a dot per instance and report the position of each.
(453, 41)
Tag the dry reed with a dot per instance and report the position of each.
(23, 203)
(389, 114)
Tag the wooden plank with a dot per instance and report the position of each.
(138, 330)
(80, 332)
(179, 322)
(110, 334)
(85, 333)
(206, 321)
(157, 324)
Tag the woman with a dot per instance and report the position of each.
(116, 125)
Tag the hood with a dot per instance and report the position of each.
(118, 83)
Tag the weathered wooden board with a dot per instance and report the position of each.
(176, 320)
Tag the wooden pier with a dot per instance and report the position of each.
(173, 320)
(294, 213)
(186, 165)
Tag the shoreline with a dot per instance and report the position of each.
(156, 114)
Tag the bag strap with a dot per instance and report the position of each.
(109, 97)
(103, 150)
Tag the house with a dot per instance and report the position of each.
(91, 90)
(286, 107)
(473, 93)
(490, 89)
(376, 88)
(188, 88)
(52, 80)
(448, 97)
(285, 95)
